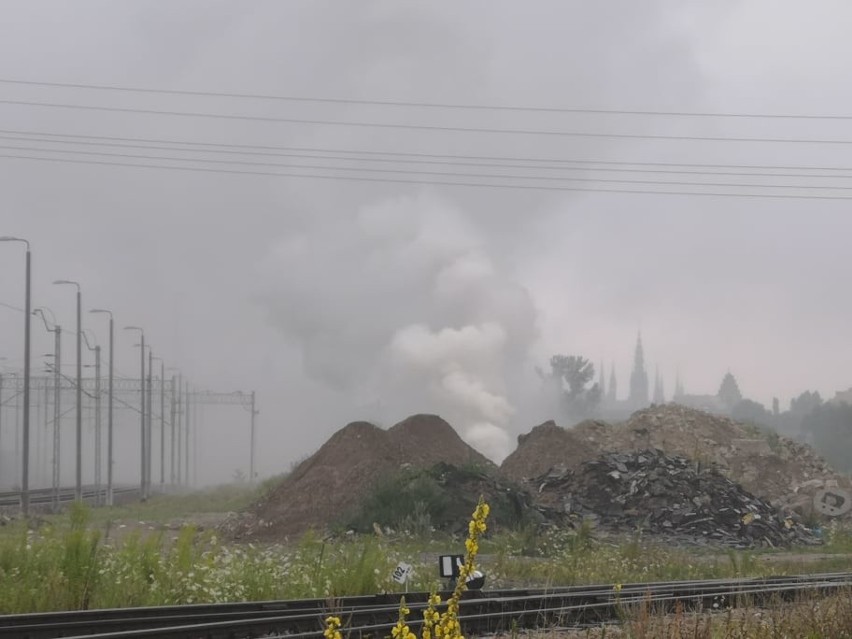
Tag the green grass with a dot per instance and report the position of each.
(70, 562)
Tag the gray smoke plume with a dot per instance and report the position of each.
(401, 308)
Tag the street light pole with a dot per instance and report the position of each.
(142, 404)
(25, 471)
(78, 487)
(109, 498)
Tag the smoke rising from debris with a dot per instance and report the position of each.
(401, 306)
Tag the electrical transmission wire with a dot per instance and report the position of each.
(433, 182)
(591, 165)
(450, 159)
(424, 127)
(430, 173)
(422, 105)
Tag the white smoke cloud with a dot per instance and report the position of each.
(400, 306)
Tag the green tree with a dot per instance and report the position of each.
(573, 374)
(830, 426)
(751, 412)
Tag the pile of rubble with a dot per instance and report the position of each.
(789, 474)
(669, 496)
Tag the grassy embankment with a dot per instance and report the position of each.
(77, 560)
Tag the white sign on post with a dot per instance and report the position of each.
(402, 572)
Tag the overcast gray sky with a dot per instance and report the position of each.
(338, 300)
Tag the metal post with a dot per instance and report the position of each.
(109, 415)
(180, 421)
(199, 417)
(25, 479)
(172, 447)
(186, 437)
(17, 432)
(98, 424)
(110, 461)
(162, 423)
(78, 487)
(148, 426)
(46, 424)
(57, 414)
(1, 412)
(142, 410)
(251, 454)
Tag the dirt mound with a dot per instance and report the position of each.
(544, 447)
(332, 481)
(669, 496)
(423, 440)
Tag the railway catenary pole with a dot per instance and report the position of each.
(57, 413)
(141, 407)
(172, 434)
(78, 483)
(110, 391)
(186, 435)
(162, 423)
(1, 410)
(180, 421)
(25, 472)
(148, 455)
(251, 444)
(98, 445)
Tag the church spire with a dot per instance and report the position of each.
(602, 381)
(639, 378)
(678, 385)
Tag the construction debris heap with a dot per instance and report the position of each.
(671, 497)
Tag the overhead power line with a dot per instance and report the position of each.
(433, 182)
(563, 165)
(429, 173)
(388, 156)
(423, 127)
(422, 105)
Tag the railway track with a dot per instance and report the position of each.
(42, 496)
(367, 616)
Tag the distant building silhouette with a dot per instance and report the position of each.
(638, 379)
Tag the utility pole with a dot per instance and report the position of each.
(172, 447)
(162, 423)
(25, 478)
(98, 423)
(141, 407)
(1, 409)
(150, 419)
(78, 489)
(110, 463)
(57, 413)
(180, 422)
(186, 436)
(251, 454)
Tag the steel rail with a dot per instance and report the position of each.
(481, 611)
